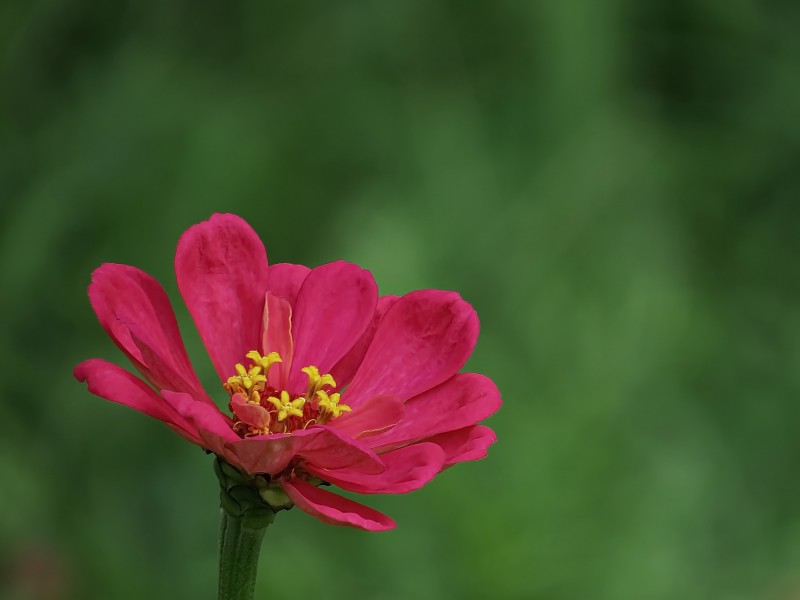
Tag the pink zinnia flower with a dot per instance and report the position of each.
(328, 382)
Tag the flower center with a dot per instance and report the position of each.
(260, 408)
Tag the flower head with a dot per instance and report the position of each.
(326, 380)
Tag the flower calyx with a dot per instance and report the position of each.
(240, 497)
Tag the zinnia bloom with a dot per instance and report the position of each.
(327, 381)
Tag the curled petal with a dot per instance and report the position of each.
(277, 337)
(221, 267)
(114, 383)
(470, 443)
(461, 401)
(407, 469)
(422, 341)
(136, 313)
(285, 280)
(334, 307)
(335, 510)
(254, 415)
(320, 446)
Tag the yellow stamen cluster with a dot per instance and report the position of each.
(286, 406)
(329, 405)
(249, 382)
(316, 406)
(317, 381)
(265, 362)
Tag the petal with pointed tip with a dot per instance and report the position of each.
(470, 443)
(136, 313)
(118, 385)
(333, 509)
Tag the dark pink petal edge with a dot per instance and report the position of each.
(114, 383)
(470, 443)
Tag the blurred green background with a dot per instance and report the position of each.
(613, 185)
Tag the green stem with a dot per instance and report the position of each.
(245, 517)
(239, 548)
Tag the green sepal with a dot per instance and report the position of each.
(258, 518)
(229, 505)
(275, 497)
(251, 496)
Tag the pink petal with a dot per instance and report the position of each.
(423, 340)
(212, 426)
(285, 280)
(470, 443)
(375, 415)
(334, 307)
(221, 267)
(318, 445)
(264, 454)
(277, 337)
(117, 385)
(254, 415)
(346, 368)
(407, 469)
(461, 401)
(136, 313)
(335, 510)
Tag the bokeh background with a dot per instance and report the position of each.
(613, 184)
